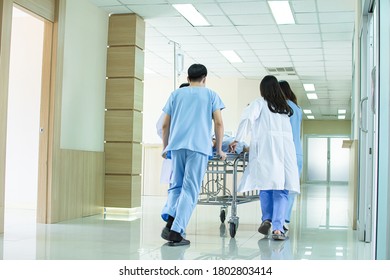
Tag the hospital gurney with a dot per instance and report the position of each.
(216, 192)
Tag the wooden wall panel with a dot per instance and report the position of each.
(123, 158)
(123, 126)
(43, 8)
(124, 62)
(126, 29)
(120, 189)
(124, 93)
(81, 178)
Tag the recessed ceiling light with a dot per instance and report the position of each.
(341, 117)
(342, 111)
(191, 14)
(306, 111)
(232, 56)
(312, 96)
(310, 117)
(309, 87)
(281, 11)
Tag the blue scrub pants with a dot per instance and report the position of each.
(188, 169)
(273, 205)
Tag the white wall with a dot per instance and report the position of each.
(24, 112)
(84, 76)
(235, 93)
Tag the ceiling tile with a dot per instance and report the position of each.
(299, 28)
(245, 8)
(218, 31)
(252, 19)
(258, 29)
(209, 9)
(344, 17)
(232, 46)
(311, 58)
(336, 5)
(306, 18)
(313, 37)
(267, 46)
(303, 51)
(179, 31)
(272, 52)
(153, 11)
(263, 38)
(337, 36)
(303, 6)
(337, 27)
(168, 22)
(226, 39)
(304, 44)
(219, 21)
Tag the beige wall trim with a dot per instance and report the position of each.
(5, 40)
(43, 8)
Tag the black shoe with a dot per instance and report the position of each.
(175, 239)
(164, 233)
(265, 227)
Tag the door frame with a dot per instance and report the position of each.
(45, 10)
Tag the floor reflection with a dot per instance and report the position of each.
(319, 230)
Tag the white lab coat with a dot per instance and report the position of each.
(166, 169)
(272, 160)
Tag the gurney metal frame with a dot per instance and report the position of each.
(215, 192)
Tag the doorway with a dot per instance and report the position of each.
(23, 123)
(326, 160)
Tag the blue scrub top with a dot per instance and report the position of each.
(191, 110)
(295, 121)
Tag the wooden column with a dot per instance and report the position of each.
(123, 118)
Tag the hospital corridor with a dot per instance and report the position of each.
(85, 84)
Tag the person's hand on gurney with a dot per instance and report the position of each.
(221, 155)
(233, 146)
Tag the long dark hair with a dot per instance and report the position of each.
(288, 91)
(273, 94)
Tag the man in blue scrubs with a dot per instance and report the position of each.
(187, 128)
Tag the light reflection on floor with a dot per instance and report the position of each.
(319, 230)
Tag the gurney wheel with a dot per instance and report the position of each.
(222, 215)
(232, 229)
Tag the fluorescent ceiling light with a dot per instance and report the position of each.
(341, 117)
(191, 14)
(281, 11)
(309, 87)
(231, 56)
(342, 111)
(312, 96)
(307, 111)
(310, 117)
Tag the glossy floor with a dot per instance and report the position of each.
(320, 230)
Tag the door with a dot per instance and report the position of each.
(326, 160)
(367, 131)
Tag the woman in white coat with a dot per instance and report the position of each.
(272, 166)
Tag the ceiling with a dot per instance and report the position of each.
(318, 47)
